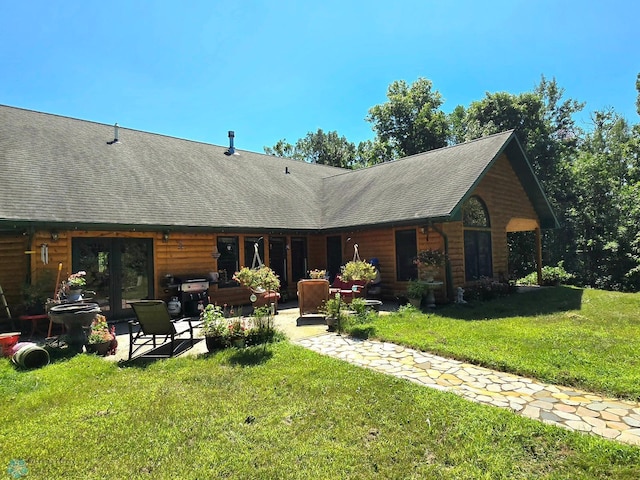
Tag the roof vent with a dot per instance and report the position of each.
(115, 135)
(232, 149)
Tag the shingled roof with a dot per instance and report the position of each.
(64, 171)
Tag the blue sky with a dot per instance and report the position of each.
(279, 69)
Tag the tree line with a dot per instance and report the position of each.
(591, 177)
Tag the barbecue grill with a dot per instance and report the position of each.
(193, 292)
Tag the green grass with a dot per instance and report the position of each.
(280, 413)
(284, 412)
(584, 338)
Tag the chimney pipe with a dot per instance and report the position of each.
(115, 135)
(232, 149)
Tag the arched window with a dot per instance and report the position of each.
(477, 240)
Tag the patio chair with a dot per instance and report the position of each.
(158, 329)
(311, 295)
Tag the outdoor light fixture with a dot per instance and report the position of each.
(55, 235)
(165, 236)
(215, 254)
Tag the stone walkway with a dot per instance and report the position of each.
(561, 406)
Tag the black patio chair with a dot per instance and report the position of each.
(167, 336)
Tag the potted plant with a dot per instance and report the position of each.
(415, 291)
(317, 274)
(333, 310)
(214, 327)
(236, 332)
(258, 280)
(428, 262)
(100, 337)
(73, 286)
(262, 330)
(358, 270)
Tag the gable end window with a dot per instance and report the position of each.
(477, 240)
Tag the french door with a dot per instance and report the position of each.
(119, 270)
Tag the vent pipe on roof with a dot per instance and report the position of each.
(231, 150)
(115, 135)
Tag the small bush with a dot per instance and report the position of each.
(550, 276)
(487, 289)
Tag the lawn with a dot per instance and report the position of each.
(569, 336)
(279, 413)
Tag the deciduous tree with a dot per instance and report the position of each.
(410, 121)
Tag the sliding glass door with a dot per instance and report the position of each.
(119, 270)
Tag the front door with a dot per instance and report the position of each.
(119, 270)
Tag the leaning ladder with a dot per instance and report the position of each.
(4, 305)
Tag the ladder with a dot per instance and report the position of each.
(3, 304)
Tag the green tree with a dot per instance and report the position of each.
(282, 148)
(410, 121)
(607, 204)
(318, 147)
(371, 152)
(638, 89)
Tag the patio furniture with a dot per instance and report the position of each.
(348, 290)
(34, 319)
(167, 336)
(311, 295)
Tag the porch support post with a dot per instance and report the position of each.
(539, 255)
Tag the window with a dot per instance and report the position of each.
(228, 261)
(477, 240)
(250, 259)
(406, 252)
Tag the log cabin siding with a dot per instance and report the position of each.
(13, 269)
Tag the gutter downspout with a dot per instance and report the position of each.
(447, 268)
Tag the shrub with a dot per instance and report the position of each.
(550, 276)
(487, 289)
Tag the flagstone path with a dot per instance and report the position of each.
(562, 406)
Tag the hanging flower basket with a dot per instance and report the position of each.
(429, 263)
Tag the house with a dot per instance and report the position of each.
(136, 209)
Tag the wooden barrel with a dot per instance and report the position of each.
(31, 356)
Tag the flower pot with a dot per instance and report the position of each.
(332, 323)
(75, 295)
(215, 343)
(99, 348)
(237, 342)
(415, 302)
